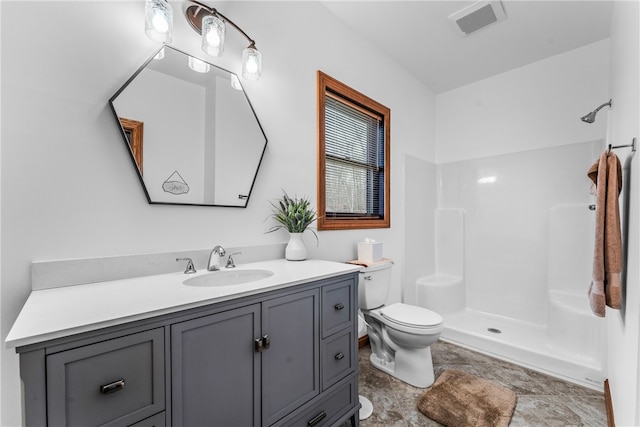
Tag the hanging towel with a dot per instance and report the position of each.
(605, 288)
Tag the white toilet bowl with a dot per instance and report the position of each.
(401, 336)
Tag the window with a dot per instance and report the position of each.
(353, 158)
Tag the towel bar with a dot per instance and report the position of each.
(632, 145)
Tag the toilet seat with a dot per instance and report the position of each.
(411, 316)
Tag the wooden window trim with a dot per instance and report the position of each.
(326, 83)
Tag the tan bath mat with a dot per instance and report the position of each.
(459, 399)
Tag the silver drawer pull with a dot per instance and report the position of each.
(113, 387)
(315, 420)
(339, 356)
(339, 306)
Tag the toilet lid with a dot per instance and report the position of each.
(410, 315)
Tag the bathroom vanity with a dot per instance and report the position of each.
(152, 351)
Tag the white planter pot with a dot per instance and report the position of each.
(296, 250)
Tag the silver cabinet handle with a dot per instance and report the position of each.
(315, 420)
(339, 306)
(339, 356)
(262, 343)
(113, 387)
(266, 341)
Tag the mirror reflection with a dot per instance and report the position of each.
(192, 133)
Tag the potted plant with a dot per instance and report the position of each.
(295, 215)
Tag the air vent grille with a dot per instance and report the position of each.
(477, 16)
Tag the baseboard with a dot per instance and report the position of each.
(363, 341)
(608, 404)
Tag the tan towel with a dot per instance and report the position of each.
(605, 287)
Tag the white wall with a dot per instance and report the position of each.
(69, 189)
(520, 128)
(420, 203)
(506, 223)
(624, 325)
(535, 106)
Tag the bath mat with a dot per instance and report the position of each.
(460, 399)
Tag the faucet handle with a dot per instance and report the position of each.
(230, 262)
(190, 268)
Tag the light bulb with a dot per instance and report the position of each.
(251, 63)
(198, 65)
(213, 30)
(158, 20)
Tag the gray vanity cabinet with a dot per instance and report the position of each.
(221, 362)
(286, 357)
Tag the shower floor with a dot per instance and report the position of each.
(522, 343)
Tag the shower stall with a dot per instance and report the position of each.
(514, 238)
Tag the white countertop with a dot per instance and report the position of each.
(56, 313)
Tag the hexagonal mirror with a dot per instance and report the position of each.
(191, 130)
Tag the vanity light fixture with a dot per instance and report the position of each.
(158, 22)
(210, 24)
(207, 22)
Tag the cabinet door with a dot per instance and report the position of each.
(215, 369)
(290, 364)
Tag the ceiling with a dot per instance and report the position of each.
(418, 35)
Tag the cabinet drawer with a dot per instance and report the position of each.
(338, 359)
(337, 307)
(110, 383)
(158, 420)
(329, 408)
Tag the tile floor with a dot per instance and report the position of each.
(542, 400)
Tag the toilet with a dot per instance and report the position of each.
(400, 334)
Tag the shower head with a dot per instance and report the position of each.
(591, 117)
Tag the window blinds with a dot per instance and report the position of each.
(354, 149)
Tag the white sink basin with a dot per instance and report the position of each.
(228, 278)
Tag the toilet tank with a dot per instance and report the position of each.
(374, 285)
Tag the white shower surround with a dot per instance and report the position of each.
(514, 235)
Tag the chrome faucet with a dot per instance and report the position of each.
(214, 258)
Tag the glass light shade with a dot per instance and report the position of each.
(158, 20)
(160, 54)
(251, 63)
(213, 30)
(199, 66)
(235, 82)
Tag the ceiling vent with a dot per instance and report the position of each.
(477, 16)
